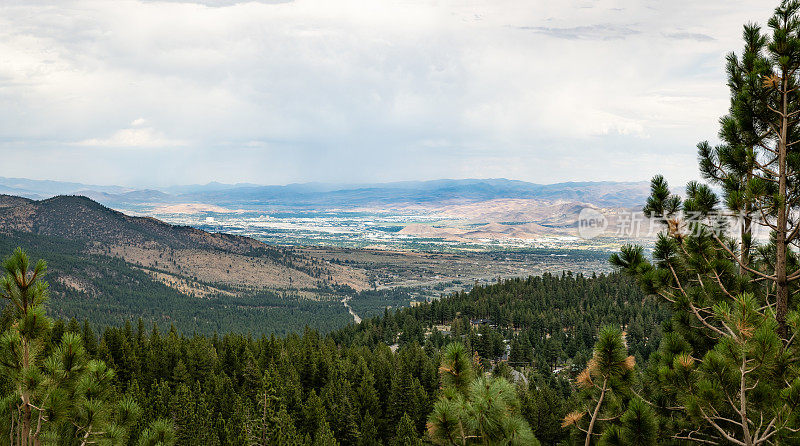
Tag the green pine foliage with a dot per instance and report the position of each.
(340, 388)
(482, 410)
(727, 369)
(605, 394)
(54, 391)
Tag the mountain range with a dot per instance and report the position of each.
(341, 196)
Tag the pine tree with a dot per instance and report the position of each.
(368, 400)
(637, 427)
(180, 375)
(605, 382)
(734, 164)
(758, 164)
(483, 410)
(183, 412)
(544, 410)
(65, 393)
(324, 436)
(369, 433)
(21, 345)
(158, 433)
(314, 415)
(708, 378)
(283, 431)
(406, 434)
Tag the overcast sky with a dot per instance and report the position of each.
(173, 92)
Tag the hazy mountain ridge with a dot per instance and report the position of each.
(445, 191)
(37, 189)
(438, 191)
(473, 211)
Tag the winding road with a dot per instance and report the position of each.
(353, 313)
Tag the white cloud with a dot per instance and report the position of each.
(144, 137)
(360, 90)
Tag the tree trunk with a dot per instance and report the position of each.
(27, 437)
(747, 232)
(596, 411)
(781, 283)
(748, 440)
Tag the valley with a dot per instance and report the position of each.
(433, 230)
(202, 267)
(425, 216)
(310, 223)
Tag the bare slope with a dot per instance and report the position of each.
(177, 251)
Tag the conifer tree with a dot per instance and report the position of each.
(314, 414)
(324, 436)
(709, 379)
(406, 434)
(734, 164)
(369, 433)
(159, 433)
(63, 395)
(483, 410)
(543, 408)
(636, 427)
(605, 384)
(183, 412)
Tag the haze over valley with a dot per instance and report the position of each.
(434, 216)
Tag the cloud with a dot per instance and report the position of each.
(142, 137)
(360, 91)
(219, 3)
(591, 32)
(699, 37)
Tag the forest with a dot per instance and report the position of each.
(692, 342)
(128, 291)
(373, 383)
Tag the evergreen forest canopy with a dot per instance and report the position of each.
(122, 291)
(695, 345)
(347, 387)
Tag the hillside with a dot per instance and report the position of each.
(116, 266)
(173, 250)
(77, 217)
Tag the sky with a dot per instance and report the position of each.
(156, 93)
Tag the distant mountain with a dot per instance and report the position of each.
(212, 186)
(137, 196)
(47, 188)
(342, 196)
(612, 194)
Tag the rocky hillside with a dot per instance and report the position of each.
(172, 254)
